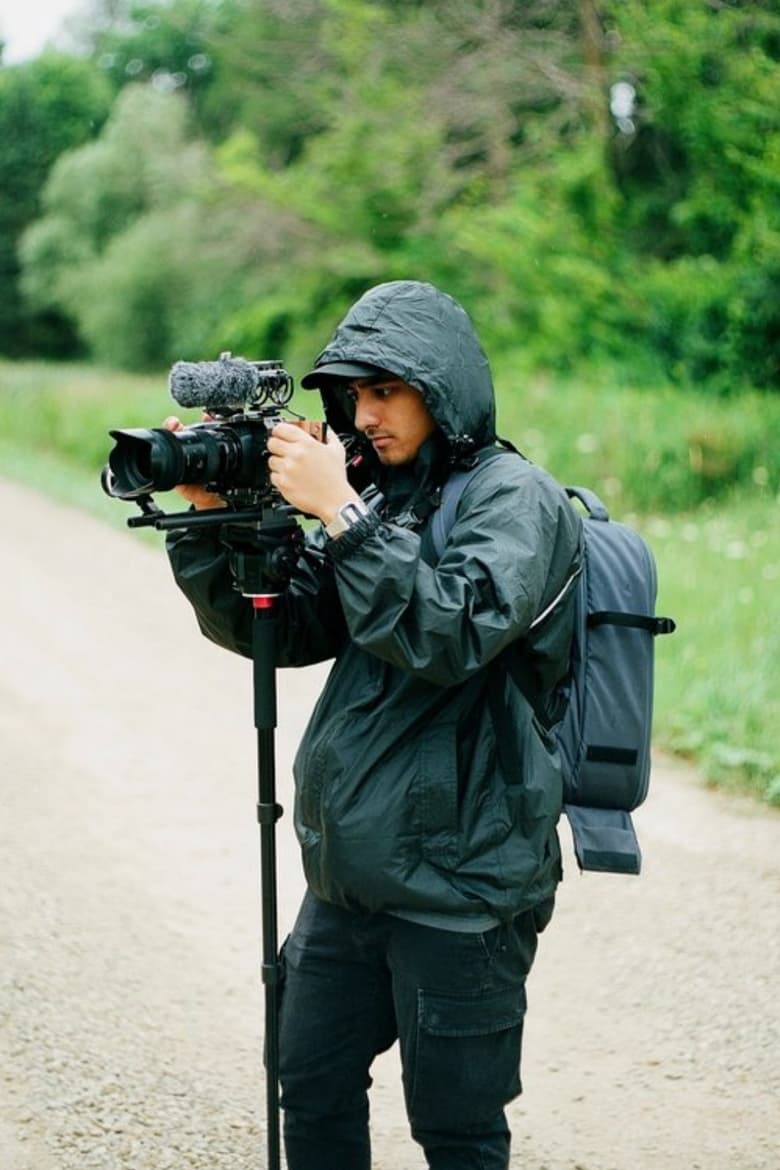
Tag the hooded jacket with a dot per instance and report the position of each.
(424, 782)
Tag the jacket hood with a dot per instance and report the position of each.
(422, 335)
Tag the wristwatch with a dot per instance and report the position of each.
(347, 515)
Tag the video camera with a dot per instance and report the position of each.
(226, 455)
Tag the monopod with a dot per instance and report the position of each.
(257, 571)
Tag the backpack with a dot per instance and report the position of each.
(606, 700)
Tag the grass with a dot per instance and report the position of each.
(711, 522)
(661, 450)
(718, 678)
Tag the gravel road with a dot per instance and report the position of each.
(130, 1001)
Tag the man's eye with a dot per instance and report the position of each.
(383, 391)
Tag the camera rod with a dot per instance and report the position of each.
(153, 516)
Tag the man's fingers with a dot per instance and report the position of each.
(291, 432)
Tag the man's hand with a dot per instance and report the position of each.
(309, 474)
(192, 492)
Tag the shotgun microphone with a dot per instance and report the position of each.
(230, 384)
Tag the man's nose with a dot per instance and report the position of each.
(366, 415)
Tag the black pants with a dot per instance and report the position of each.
(354, 983)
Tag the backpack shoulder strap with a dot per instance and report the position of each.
(443, 519)
(451, 492)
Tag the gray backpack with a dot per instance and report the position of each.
(603, 735)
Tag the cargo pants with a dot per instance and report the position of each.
(354, 983)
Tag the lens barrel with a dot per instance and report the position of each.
(156, 460)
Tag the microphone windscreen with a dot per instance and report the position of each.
(230, 382)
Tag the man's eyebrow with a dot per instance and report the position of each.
(375, 380)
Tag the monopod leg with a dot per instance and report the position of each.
(268, 813)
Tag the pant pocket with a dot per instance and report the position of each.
(466, 1063)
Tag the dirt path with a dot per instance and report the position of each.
(130, 1003)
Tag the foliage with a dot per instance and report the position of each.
(93, 196)
(168, 45)
(559, 308)
(341, 142)
(47, 107)
(706, 123)
(699, 174)
(136, 243)
(289, 72)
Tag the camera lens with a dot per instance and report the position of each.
(143, 461)
(227, 458)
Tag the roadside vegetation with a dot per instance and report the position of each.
(711, 521)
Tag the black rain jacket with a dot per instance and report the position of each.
(424, 781)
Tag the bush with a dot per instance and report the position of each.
(643, 450)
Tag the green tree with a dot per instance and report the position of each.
(254, 65)
(480, 144)
(706, 120)
(47, 106)
(171, 44)
(699, 177)
(144, 245)
(142, 163)
(424, 113)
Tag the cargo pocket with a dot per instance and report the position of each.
(466, 1064)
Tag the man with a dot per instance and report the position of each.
(427, 794)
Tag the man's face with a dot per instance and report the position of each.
(393, 416)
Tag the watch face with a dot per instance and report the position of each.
(347, 515)
(350, 513)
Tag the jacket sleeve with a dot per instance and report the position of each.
(310, 624)
(508, 553)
